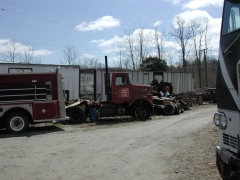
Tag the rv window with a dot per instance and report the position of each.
(231, 18)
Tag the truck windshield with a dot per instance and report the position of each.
(231, 17)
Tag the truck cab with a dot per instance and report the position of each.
(125, 98)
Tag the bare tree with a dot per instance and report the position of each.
(140, 39)
(128, 42)
(197, 38)
(90, 63)
(207, 39)
(28, 56)
(11, 54)
(120, 56)
(70, 55)
(182, 34)
(159, 42)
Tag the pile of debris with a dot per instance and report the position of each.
(165, 101)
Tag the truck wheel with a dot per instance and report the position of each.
(16, 123)
(169, 109)
(140, 111)
(76, 115)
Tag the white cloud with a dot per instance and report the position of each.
(175, 2)
(97, 41)
(157, 23)
(108, 43)
(99, 24)
(86, 56)
(42, 52)
(196, 4)
(5, 44)
(195, 15)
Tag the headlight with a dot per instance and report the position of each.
(220, 120)
(223, 121)
(216, 119)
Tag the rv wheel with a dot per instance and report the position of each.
(16, 123)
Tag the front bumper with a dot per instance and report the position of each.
(226, 156)
(228, 164)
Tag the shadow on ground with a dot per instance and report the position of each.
(32, 131)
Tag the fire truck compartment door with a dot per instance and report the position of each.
(46, 110)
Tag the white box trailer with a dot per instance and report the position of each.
(92, 84)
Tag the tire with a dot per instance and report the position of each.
(182, 108)
(17, 123)
(76, 115)
(169, 109)
(177, 109)
(140, 111)
(225, 170)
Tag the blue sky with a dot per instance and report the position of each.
(93, 27)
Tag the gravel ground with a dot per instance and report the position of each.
(165, 147)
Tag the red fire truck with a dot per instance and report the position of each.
(29, 99)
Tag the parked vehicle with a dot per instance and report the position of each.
(29, 99)
(227, 117)
(209, 94)
(123, 99)
(39, 97)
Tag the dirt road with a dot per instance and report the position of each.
(115, 150)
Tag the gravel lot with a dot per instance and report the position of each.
(165, 147)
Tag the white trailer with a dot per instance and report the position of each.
(90, 82)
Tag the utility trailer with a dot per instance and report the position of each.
(31, 98)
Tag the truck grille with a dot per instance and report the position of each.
(230, 140)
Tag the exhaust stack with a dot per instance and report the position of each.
(107, 80)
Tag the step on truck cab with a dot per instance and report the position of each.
(29, 99)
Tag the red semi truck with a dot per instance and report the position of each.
(123, 99)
